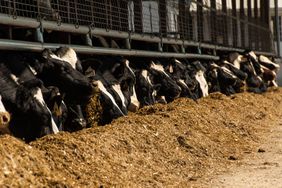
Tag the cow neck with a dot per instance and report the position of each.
(117, 89)
(226, 70)
(104, 90)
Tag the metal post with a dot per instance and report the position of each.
(277, 27)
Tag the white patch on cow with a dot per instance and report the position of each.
(162, 100)
(133, 99)
(144, 73)
(183, 83)
(2, 107)
(268, 61)
(274, 83)
(253, 55)
(177, 61)
(203, 83)
(226, 70)
(127, 64)
(39, 97)
(259, 78)
(154, 93)
(253, 68)
(104, 90)
(159, 68)
(170, 69)
(32, 70)
(70, 57)
(15, 78)
(117, 89)
(55, 57)
(226, 62)
(237, 61)
(214, 65)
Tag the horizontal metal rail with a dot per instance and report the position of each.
(63, 27)
(38, 47)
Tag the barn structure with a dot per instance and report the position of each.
(156, 28)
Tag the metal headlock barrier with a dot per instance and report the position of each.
(217, 25)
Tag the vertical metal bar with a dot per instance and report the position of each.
(200, 20)
(250, 36)
(234, 23)
(213, 22)
(242, 25)
(151, 18)
(257, 35)
(163, 17)
(138, 14)
(277, 28)
(119, 15)
(69, 21)
(225, 32)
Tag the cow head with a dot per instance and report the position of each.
(69, 55)
(146, 91)
(179, 72)
(168, 87)
(111, 109)
(199, 75)
(32, 117)
(54, 100)
(73, 83)
(265, 61)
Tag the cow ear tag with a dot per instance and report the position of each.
(57, 110)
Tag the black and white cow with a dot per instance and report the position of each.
(75, 87)
(120, 79)
(18, 65)
(179, 72)
(145, 90)
(269, 70)
(168, 87)
(254, 71)
(111, 101)
(31, 118)
(197, 71)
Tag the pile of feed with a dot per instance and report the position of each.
(159, 146)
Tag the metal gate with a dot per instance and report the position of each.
(232, 25)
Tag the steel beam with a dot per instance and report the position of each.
(277, 27)
(38, 47)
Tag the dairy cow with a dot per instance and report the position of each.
(31, 117)
(111, 95)
(179, 72)
(75, 87)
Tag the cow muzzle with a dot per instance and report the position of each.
(4, 122)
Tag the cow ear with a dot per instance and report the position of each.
(118, 70)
